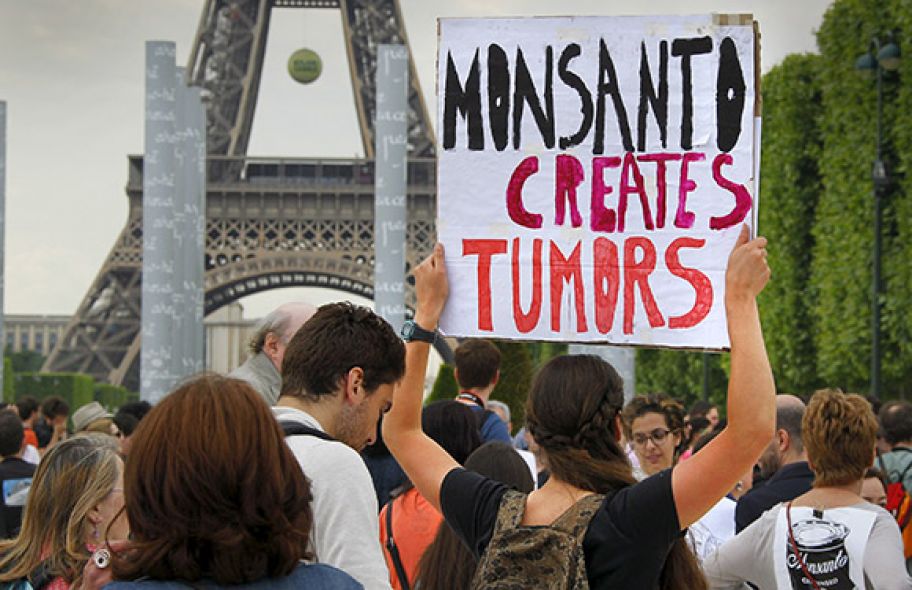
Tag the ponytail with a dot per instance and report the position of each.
(591, 458)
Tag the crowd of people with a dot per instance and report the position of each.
(317, 465)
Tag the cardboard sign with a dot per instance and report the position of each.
(593, 175)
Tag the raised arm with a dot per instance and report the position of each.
(705, 478)
(423, 460)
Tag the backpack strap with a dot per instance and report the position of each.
(510, 513)
(576, 519)
(393, 549)
(902, 476)
(291, 428)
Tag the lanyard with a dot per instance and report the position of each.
(471, 397)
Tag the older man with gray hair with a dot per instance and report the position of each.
(263, 370)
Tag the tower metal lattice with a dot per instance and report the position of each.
(270, 223)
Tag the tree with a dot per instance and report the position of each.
(445, 386)
(515, 378)
(791, 188)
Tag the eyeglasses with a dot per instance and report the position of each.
(657, 437)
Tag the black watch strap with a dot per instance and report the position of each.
(413, 332)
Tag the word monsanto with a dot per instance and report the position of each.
(593, 175)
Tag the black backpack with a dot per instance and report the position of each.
(291, 428)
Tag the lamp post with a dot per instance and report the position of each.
(879, 58)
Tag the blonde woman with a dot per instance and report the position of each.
(75, 505)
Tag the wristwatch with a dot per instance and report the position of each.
(413, 332)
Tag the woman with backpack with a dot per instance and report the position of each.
(591, 524)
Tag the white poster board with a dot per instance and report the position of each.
(593, 175)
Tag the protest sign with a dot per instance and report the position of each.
(593, 175)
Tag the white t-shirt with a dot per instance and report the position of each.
(761, 553)
(346, 529)
(30, 455)
(715, 528)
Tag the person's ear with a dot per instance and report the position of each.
(784, 441)
(496, 377)
(94, 516)
(618, 431)
(456, 376)
(271, 346)
(676, 438)
(354, 392)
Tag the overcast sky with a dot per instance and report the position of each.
(71, 73)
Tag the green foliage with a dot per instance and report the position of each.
(9, 377)
(817, 209)
(445, 386)
(541, 352)
(516, 371)
(897, 310)
(113, 396)
(790, 189)
(679, 373)
(75, 388)
(26, 361)
(843, 231)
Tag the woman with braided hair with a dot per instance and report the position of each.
(591, 525)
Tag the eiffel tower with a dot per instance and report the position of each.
(270, 223)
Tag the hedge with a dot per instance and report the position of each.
(113, 396)
(75, 388)
(790, 190)
(9, 381)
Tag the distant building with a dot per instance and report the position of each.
(227, 334)
(38, 333)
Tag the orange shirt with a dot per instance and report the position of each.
(31, 438)
(415, 524)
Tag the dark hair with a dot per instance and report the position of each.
(697, 425)
(136, 409)
(705, 440)
(126, 423)
(339, 337)
(571, 414)
(656, 403)
(896, 421)
(874, 472)
(11, 434)
(54, 406)
(788, 418)
(700, 408)
(212, 490)
(454, 426)
(447, 562)
(27, 405)
(477, 362)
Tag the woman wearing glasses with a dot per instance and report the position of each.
(654, 425)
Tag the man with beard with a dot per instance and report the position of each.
(338, 375)
(783, 466)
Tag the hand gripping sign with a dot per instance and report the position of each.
(593, 175)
